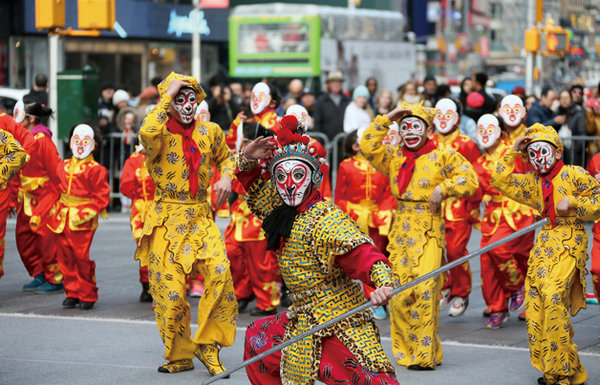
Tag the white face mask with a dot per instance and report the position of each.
(82, 141)
(542, 156)
(446, 116)
(292, 180)
(512, 110)
(412, 131)
(202, 112)
(488, 130)
(185, 105)
(301, 114)
(261, 98)
(392, 137)
(19, 111)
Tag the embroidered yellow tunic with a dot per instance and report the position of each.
(180, 236)
(417, 240)
(12, 156)
(555, 280)
(320, 290)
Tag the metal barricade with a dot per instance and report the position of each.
(113, 153)
(576, 150)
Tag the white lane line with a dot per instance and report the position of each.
(243, 329)
(67, 362)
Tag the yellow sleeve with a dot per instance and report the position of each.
(461, 178)
(586, 200)
(372, 147)
(153, 128)
(12, 156)
(523, 188)
(222, 155)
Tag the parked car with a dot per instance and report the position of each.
(9, 97)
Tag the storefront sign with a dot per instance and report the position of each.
(178, 25)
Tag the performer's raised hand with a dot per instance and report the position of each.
(381, 296)
(222, 189)
(435, 200)
(563, 206)
(242, 116)
(175, 86)
(521, 143)
(398, 113)
(259, 148)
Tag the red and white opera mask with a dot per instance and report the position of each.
(82, 141)
(412, 131)
(292, 179)
(202, 112)
(185, 105)
(392, 137)
(301, 114)
(512, 110)
(446, 115)
(542, 156)
(261, 98)
(488, 130)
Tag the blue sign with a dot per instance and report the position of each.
(178, 25)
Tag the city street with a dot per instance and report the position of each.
(117, 342)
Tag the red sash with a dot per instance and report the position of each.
(548, 192)
(408, 167)
(191, 151)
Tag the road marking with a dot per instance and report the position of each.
(242, 329)
(67, 362)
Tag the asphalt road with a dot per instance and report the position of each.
(117, 342)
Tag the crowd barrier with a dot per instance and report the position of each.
(116, 148)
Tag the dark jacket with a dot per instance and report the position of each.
(329, 117)
(541, 114)
(40, 97)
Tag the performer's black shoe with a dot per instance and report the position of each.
(541, 381)
(145, 296)
(418, 367)
(284, 299)
(256, 312)
(86, 305)
(243, 303)
(70, 302)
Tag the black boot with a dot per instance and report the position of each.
(86, 305)
(256, 312)
(243, 304)
(284, 298)
(70, 302)
(145, 296)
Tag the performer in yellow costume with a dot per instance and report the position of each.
(421, 176)
(13, 156)
(180, 237)
(555, 283)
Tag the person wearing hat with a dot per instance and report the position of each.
(555, 284)
(321, 251)
(137, 185)
(330, 107)
(359, 113)
(84, 196)
(421, 176)
(180, 237)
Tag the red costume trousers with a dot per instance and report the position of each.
(37, 249)
(459, 279)
(338, 365)
(73, 251)
(255, 271)
(595, 270)
(3, 217)
(502, 271)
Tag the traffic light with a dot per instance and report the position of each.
(557, 40)
(96, 14)
(532, 39)
(49, 14)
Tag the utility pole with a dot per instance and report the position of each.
(196, 43)
(54, 55)
(447, 31)
(531, 8)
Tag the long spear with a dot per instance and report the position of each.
(366, 305)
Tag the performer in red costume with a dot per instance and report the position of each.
(459, 213)
(263, 103)
(137, 185)
(593, 168)
(8, 190)
(502, 271)
(85, 194)
(254, 268)
(364, 194)
(38, 192)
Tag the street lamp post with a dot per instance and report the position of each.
(196, 43)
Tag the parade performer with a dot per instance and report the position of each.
(593, 168)
(38, 192)
(364, 194)
(320, 250)
(555, 283)
(513, 114)
(180, 238)
(264, 101)
(137, 185)
(421, 176)
(502, 271)
(254, 268)
(85, 194)
(15, 138)
(459, 214)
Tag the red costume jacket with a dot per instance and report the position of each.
(593, 168)
(267, 118)
(137, 185)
